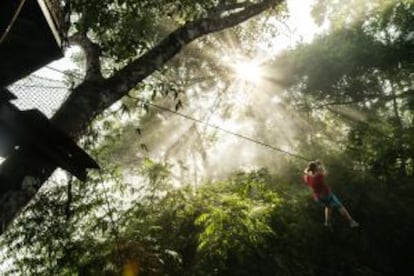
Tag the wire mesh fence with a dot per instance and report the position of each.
(42, 93)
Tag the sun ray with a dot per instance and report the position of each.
(248, 71)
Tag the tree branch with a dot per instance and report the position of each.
(94, 97)
(92, 53)
(127, 78)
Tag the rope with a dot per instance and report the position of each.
(222, 129)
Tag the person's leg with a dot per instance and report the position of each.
(328, 215)
(344, 212)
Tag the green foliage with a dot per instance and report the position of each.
(250, 224)
(346, 61)
(127, 28)
(232, 227)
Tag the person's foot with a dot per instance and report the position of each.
(354, 224)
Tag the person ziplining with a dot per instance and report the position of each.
(314, 175)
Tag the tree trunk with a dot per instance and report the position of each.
(399, 131)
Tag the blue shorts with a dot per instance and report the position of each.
(330, 201)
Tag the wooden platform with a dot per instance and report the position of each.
(29, 38)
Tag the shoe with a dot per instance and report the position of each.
(354, 224)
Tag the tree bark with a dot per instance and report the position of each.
(22, 176)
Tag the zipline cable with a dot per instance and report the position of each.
(145, 102)
(224, 130)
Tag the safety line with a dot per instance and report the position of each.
(224, 130)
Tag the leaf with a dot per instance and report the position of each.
(146, 107)
(201, 219)
(201, 245)
(173, 254)
(124, 109)
(178, 105)
(210, 229)
(144, 147)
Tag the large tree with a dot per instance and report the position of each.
(137, 38)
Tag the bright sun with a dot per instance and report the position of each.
(248, 71)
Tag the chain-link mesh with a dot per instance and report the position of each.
(45, 94)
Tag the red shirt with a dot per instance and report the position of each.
(317, 184)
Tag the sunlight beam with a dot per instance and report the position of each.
(248, 71)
